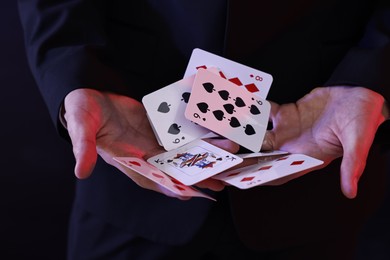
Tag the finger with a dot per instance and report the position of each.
(83, 136)
(274, 110)
(245, 162)
(224, 144)
(352, 167)
(356, 148)
(357, 138)
(84, 150)
(269, 141)
(211, 184)
(269, 137)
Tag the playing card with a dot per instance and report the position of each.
(255, 81)
(232, 112)
(154, 130)
(262, 154)
(165, 109)
(152, 173)
(194, 162)
(266, 171)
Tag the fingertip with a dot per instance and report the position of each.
(268, 143)
(350, 194)
(352, 168)
(82, 173)
(349, 188)
(219, 187)
(225, 144)
(85, 166)
(213, 185)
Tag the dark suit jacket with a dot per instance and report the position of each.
(135, 47)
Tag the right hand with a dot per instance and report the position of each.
(329, 123)
(111, 125)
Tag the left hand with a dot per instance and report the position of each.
(329, 123)
(109, 125)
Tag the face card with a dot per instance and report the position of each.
(152, 173)
(194, 162)
(232, 112)
(254, 81)
(263, 172)
(165, 108)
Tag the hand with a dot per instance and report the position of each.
(112, 125)
(328, 123)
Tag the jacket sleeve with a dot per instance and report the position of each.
(368, 64)
(65, 45)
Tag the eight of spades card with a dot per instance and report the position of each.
(217, 95)
(228, 110)
(253, 80)
(194, 162)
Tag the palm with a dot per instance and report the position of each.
(126, 131)
(109, 125)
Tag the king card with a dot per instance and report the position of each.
(194, 162)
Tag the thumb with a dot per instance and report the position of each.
(352, 167)
(85, 154)
(83, 137)
(356, 148)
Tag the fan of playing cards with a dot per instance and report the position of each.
(217, 96)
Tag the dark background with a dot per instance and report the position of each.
(36, 178)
